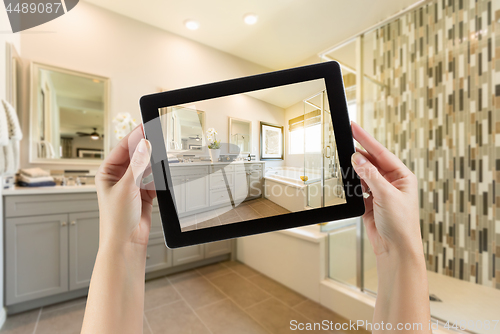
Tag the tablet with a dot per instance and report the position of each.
(252, 155)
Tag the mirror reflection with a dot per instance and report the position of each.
(187, 126)
(240, 135)
(68, 115)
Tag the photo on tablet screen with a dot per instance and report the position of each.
(285, 131)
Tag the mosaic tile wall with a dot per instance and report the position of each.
(441, 116)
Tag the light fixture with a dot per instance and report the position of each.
(191, 24)
(94, 135)
(250, 18)
(96, 81)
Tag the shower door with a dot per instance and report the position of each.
(332, 186)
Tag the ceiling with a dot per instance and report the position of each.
(287, 32)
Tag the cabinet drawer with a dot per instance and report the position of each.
(227, 168)
(158, 255)
(217, 180)
(220, 196)
(187, 254)
(188, 170)
(217, 248)
(33, 205)
(255, 166)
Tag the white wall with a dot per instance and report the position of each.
(14, 39)
(138, 58)
(218, 111)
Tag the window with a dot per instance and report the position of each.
(308, 139)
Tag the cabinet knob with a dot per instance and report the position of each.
(148, 256)
(73, 223)
(64, 224)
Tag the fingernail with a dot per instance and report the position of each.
(358, 159)
(143, 146)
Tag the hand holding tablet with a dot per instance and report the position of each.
(300, 132)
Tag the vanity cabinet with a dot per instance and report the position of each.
(36, 261)
(202, 188)
(51, 243)
(83, 246)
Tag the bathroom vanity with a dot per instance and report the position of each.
(52, 234)
(204, 185)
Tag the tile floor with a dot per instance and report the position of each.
(227, 297)
(249, 210)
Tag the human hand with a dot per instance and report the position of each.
(125, 203)
(391, 214)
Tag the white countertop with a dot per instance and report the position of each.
(209, 163)
(48, 190)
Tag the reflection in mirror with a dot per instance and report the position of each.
(68, 115)
(187, 127)
(240, 135)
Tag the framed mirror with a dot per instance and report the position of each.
(186, 128)
(68, 116)
(240, 135)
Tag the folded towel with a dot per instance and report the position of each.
(27, 179)
(34, 172)
(39, 184)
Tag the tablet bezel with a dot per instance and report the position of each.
(332, 75)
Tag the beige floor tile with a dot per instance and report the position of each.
(279, 209)
(67, 320)
(240, 268)
(197, 291)
(229, 217)
(175, 318)
(276, 317)
(264, 209)
(159, 292)
(281, 292)
(225, 317)
(145, 326)
(209, 223)
(241, 291)
(182, 275)
(20, 323)
(318, 313)
(247, 213)
(214, 270)
(62, 305)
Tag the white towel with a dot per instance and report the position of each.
(12, 122)
(28, 179)
(34, 172)
(9, 162)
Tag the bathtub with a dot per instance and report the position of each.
(284, 187)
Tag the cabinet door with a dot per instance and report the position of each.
(187, 254)
(197, 192)
(179, 193)
(158, 255)
(217, 248)
(36, 256)
(240, 185)
(255, 184)
(83, 246)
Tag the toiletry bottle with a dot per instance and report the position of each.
(249, 158)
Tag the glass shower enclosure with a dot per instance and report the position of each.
(321, 166)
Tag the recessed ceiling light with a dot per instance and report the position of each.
(191, 24)
(250, 18)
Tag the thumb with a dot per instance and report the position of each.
(138, 163)
(370, 174)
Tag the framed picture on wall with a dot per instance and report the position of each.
(271, 141)
(195, 147)
(90, 153)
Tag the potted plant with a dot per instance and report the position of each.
(213, 144)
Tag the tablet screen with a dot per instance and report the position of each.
(247, 156)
